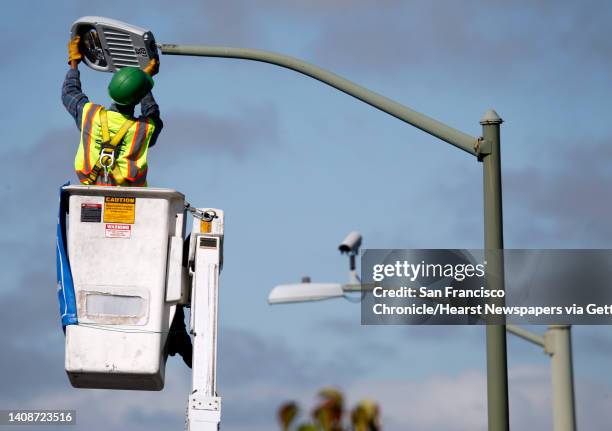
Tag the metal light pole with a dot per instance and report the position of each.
(487, 149)
(557, 344)
(497, 367)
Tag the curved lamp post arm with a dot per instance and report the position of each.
(440, 130)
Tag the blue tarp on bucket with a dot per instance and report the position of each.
(65, 286)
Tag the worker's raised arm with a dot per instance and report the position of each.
(149, 107)
(73, 97)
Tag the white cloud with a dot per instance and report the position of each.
(458, 402)
(437, 402)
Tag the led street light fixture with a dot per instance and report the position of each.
(108, 45)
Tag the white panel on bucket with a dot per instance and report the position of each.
(98, 304)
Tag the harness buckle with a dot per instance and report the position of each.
(107, 160)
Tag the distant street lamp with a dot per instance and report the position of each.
(304, 292)
(556, 340)
(557, 343)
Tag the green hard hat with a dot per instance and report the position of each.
(129, 85)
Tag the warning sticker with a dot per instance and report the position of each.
(119, 209)
(91, 212)
(114, 230)
(208, 242)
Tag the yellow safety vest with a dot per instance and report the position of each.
(130, 165)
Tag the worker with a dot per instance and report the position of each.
(114, 144)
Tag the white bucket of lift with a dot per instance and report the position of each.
(125, 248)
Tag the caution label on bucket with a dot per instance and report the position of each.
(119, 209)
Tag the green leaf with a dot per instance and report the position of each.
(287, 413)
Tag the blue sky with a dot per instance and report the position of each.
(296, 165)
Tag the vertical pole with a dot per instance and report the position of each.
(558, 345)
(497, 372)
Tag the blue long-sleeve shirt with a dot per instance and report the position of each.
(74, 100)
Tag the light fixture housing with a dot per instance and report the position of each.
(108, 45)
(303, 292)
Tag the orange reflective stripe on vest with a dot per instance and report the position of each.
(89, 112)
(136, 149)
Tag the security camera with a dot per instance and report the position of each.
(351, 244)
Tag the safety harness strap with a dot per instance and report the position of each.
(108, 156)
(104, 126)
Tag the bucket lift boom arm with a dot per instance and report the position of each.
(205, 262)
